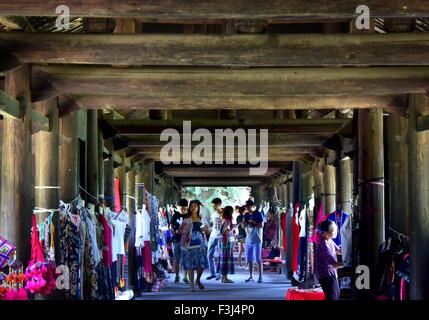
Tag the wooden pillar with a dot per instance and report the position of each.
(16, 182)
(101, 175)
(371, 190)
(329, 189)
(69, 188)
(92, 155)
(139, 181)
(46, 151)
(318, 187)
(148, 174)
(419, 198)
(397, 136)
(296, 182)
(131, 191)
(345, 192)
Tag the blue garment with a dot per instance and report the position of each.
(194, 258)
(212, 245)
(339, 217)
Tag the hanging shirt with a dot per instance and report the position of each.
(302, 221)
(339, 217)
(142, 227)
(119, 222)
(107, 243)
(117, 192)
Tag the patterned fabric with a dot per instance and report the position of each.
(194, 258)
(226, 259)
(70, 249)
(6, 251)
(154, 222)
(90, 274)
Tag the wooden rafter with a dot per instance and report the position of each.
(199, 82)
(220, 50)
(217, 9)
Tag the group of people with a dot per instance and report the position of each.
(197, 236)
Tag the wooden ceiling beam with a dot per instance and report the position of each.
(219, 82)
(104, 101)
(311, 50)
(238, 9)
(285, 140)
(223, 181)
(295, 126)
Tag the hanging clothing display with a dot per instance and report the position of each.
(289, 217)
(344, 236)
(282, 231)
(117, 195)
(302, 242)
(119, 221)
(310, 244)
(295, 238)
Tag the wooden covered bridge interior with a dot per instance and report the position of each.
(347, 110)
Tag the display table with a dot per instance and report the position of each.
(305, 294)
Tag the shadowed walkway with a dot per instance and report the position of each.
(274, 287)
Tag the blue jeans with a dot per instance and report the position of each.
(211, 249)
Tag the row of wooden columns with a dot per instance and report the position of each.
(57, 165)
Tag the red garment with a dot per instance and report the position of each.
(283, 230)
(295, 238)
(301, 294)
(107, 246)
(147, 257)
(117, 192)
(36, 246)
(320, 216)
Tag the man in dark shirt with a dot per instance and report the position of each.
(176, 221)
(253, 222)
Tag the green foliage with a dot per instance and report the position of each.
(230, 196)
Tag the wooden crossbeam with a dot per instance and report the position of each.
(104, 101)
(197, 171)
(198, 82)
(220, 50)
(11, 108)
(238, 9)
(280, 140)
(296, 126)
(223, 181)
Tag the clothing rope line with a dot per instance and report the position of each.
(44, 210)
(88, 193)
(373, 181)
(398, 233)
(47, 187)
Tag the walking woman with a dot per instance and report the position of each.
(226, 257)
(193, 247)
(241, 236)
